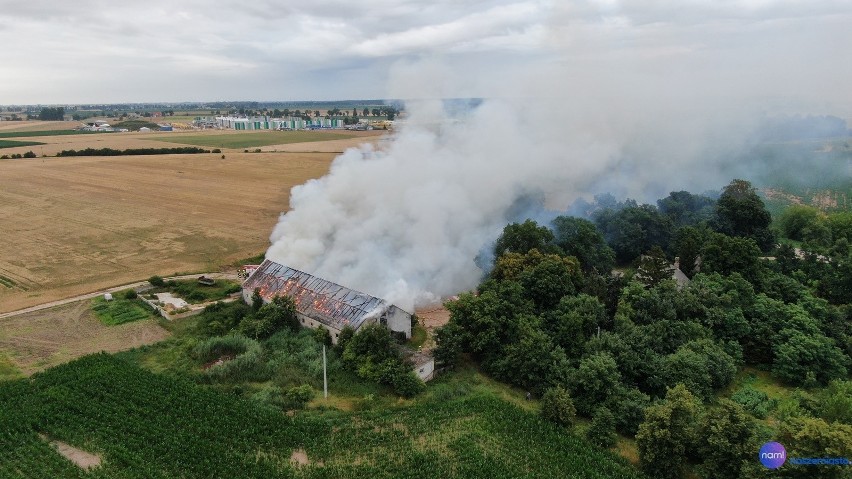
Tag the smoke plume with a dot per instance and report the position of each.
(406, 220)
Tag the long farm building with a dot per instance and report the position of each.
(320, 302)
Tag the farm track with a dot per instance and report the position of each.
(113, 289)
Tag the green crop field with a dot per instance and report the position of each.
(26, 134)
(119, 311)
(254, 139)
(13, 144)
(143, 424)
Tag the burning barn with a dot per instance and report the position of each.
(320, 302)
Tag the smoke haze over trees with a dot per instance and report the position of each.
(405, 220)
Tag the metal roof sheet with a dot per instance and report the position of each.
(328, 302)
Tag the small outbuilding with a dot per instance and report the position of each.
(107, 296)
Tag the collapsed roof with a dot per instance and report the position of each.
(330, 303)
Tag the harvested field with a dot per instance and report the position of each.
(80, 224)
(53, 144)
(38, 340)
(35, 125)
(74, 225)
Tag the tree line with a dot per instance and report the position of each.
(646, 356)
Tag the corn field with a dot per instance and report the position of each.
(145, 425)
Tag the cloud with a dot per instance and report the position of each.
(787, 46)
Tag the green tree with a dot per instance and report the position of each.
(530, 360)
(449, 345)
(256, 299)
(807, 359)
(323, 336)
(343, 339)
(633, 230)
(811, 437)
(594, 382)
(274, 316)
(684, 208)
(834, 403)
(740, 212)
(52, 114)
(523, 237)
(574, 321)
(557, 407)
(728, 441)
(602, 430)
(686, 245)
(726, 255)
(490, 320)
(688, 368)
(653, 267)
(629, 409)
(580, 238)
(548, 282)
(795, 219)
(668, 434)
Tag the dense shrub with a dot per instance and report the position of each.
(374, 356)
(156, 281)
(242, 359)
(602, 430)
(557, 406)
(297, 397)
(757, 403)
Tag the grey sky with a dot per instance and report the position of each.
(89, 51)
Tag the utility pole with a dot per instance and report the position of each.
(324, 375)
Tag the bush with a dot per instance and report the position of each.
(215, 150)
(322, 336)
(407, 384)
(156, 281)
(246, 363)
(757, 403)
(29, 154)
(557, 406)
(297, 397)
(602, 430)
(629, 410)
(130, 294)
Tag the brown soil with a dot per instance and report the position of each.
(432, 319)
(82, 459)
(299, 458)
(38, 340)
(218, 362)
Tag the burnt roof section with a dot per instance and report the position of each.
(323, 300)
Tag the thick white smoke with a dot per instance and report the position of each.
(406, 221)
(594, 110)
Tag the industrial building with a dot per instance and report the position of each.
(320, 302)
(268, 123)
